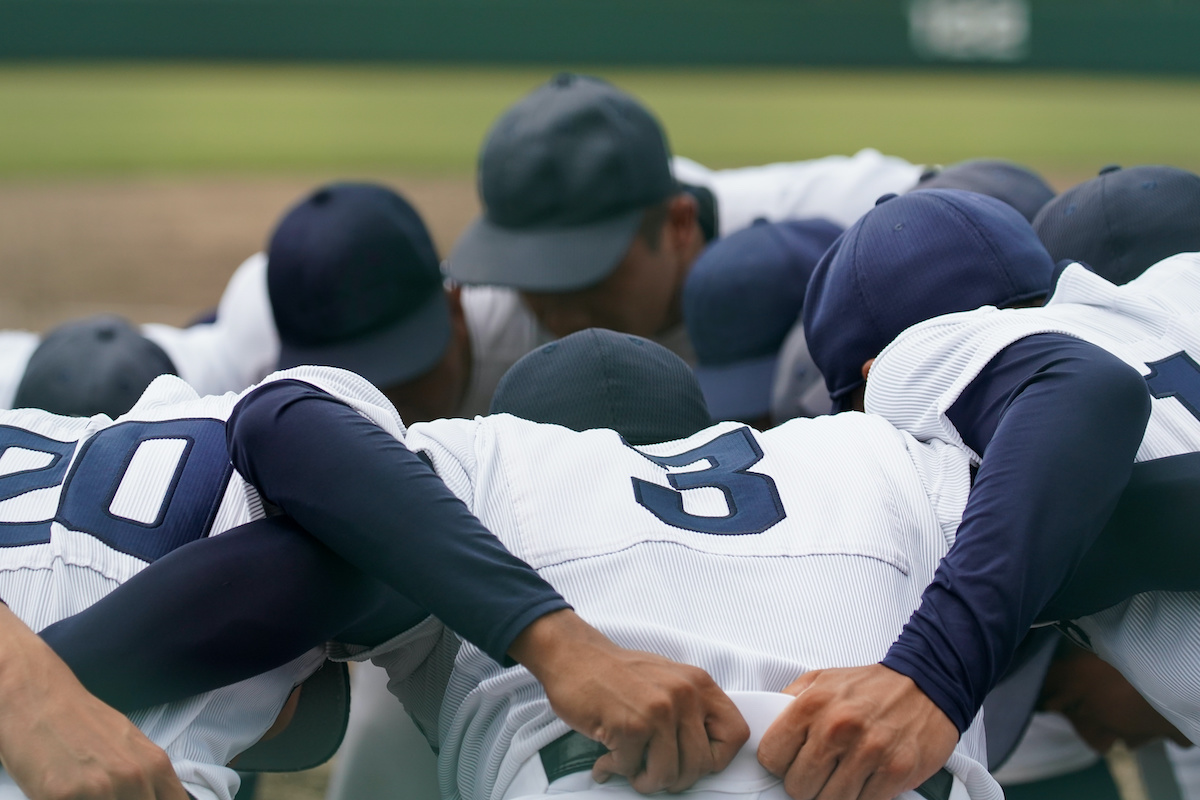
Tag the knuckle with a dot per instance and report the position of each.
(843, 727)
(795, 786)
(661, 708)
(898, 768)
(772, 762)
(874, 748)
(644, 784)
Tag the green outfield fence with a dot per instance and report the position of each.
(1138, 35)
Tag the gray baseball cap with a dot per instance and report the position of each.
(565, 177)
(1124, 221)
(98, 365)
(1019, 186)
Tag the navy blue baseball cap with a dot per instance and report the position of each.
(597, 378)
(740, 300)
(316, 730)
(1019, 186)
(565, 177)
(98, 365)
(912, 258)
(354, 283)
(1124, 221)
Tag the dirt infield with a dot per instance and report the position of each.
(161, 249)
(156, 249)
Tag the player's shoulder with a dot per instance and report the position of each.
(1173, 282)
(348, 387)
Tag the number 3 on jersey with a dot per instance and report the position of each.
(143, 488)
(751, 497)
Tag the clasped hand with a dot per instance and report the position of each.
(859, 733)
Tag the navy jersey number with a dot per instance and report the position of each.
(1176, 376)
(752, 498)
(186, 511)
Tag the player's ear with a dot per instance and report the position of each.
(454, 301)
(458, 317)
(682, 213)
(866, 367)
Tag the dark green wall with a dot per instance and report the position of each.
(1103, 34)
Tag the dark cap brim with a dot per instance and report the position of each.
(738, 391)
(561, 259)
(387, 357)
(316, 729)
(1009, 706)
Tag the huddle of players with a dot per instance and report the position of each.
(611, 254)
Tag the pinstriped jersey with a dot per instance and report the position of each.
(85, 504)
(1153, 324)
(756, 556)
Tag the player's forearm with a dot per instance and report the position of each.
(1066, 430)
(21, 655)
(58, 741)
(220, 610)
(380, 507)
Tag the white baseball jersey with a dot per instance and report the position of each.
(837, 188)
(238, 348)
(86, 503)
(1151, 323)
(15, 349)
(754, 556)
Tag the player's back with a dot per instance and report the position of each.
(755, 556)
(1152, 324)
(86, 503)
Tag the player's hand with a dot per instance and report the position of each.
(666, 725)
(58, 742)
(862, 732)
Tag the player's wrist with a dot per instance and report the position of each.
(553, 641)
(29, 673)
(924, 682)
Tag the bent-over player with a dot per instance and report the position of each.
(1048, 407)
(174, 586)
(89, 502)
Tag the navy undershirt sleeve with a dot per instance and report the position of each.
(376, 504)
(1149, 543)
(222, 609)
(1057, 422)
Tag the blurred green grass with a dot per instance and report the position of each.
(106, 119)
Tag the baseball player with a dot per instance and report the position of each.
(1124, 220)
(740, 301)
(586, 479)
(238, 347)
(98, 365)
(354, 282)
(490, 723)
(1019, 186)
(91, 502)
(1050, 470)
(587, 215)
